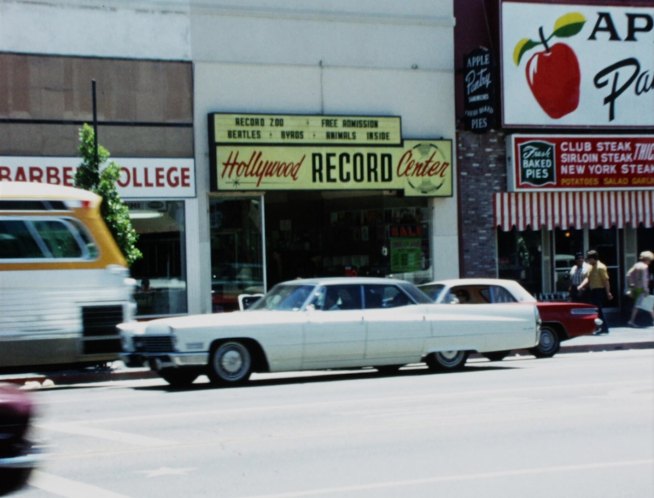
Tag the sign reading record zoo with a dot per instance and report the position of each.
(259, 152)
(582, 162)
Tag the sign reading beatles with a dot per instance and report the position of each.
(479, 110)
(571, 65)
(300, 129)
(582, 162)
(417, 167)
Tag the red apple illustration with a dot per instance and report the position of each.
(554, 78)
(553, 74)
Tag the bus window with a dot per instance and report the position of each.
(16, 241)
(58, 238)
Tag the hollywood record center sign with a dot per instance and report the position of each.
(260, 152)
(571, 65)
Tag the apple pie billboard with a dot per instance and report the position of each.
(570, 65)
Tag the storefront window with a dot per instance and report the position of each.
(520, 258)
(567, 243)
(236, 251)
(347, 234)
(161, 273)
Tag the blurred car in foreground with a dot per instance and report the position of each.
(560, 320)
(326, 323)
(17, 456)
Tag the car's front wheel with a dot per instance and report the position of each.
(230, 363)
(177, 377)
(446, 360)
(549, 343)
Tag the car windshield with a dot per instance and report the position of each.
(433, 291)
(285, 297)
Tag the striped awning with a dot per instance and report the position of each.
(536, 210)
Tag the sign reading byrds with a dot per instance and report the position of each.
(537, 163)
(479, 91)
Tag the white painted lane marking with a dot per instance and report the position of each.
(121, 437)
(166, 471)
(68, 488)
(461, 477)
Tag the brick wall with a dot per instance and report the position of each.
(481, 161)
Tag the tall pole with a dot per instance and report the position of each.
(95, 126)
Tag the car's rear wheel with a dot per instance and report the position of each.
(230, 363)
(549, 343)
(446, 360)
(177, 377)
(496, 355)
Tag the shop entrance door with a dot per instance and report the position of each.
(605, 241)
(237, 255)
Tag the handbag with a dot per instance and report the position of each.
(646, 302)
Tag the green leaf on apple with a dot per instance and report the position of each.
(565, 26)
(521, 48)
(568, 25)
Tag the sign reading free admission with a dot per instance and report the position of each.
(581, 162)
(567, 65)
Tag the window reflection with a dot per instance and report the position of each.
(161, 273)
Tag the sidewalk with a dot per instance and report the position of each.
(620, 338)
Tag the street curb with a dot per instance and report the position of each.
(581, 348)
(70, 378)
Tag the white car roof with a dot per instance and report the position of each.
(518, 291)
(345, 281)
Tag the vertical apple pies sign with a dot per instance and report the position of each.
(567, 65)
(479, 91)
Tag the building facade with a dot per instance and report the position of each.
(562, 146)
(258, 142)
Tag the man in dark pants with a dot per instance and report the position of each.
(597, 280)
(577, 275)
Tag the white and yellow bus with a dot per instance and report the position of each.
(64, 284)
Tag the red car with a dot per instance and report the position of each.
(560, 320)
(17, 455)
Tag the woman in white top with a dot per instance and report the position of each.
(638, 280)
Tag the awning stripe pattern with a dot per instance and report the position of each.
(551, 210)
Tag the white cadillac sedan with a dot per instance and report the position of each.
(326, 323)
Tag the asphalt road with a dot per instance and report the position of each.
(576, 425)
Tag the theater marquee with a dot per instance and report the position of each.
(369, 155)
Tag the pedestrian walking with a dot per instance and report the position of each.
(638, 282)
(597, 280)
(577, 275)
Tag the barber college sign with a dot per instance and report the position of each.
(568, 65)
